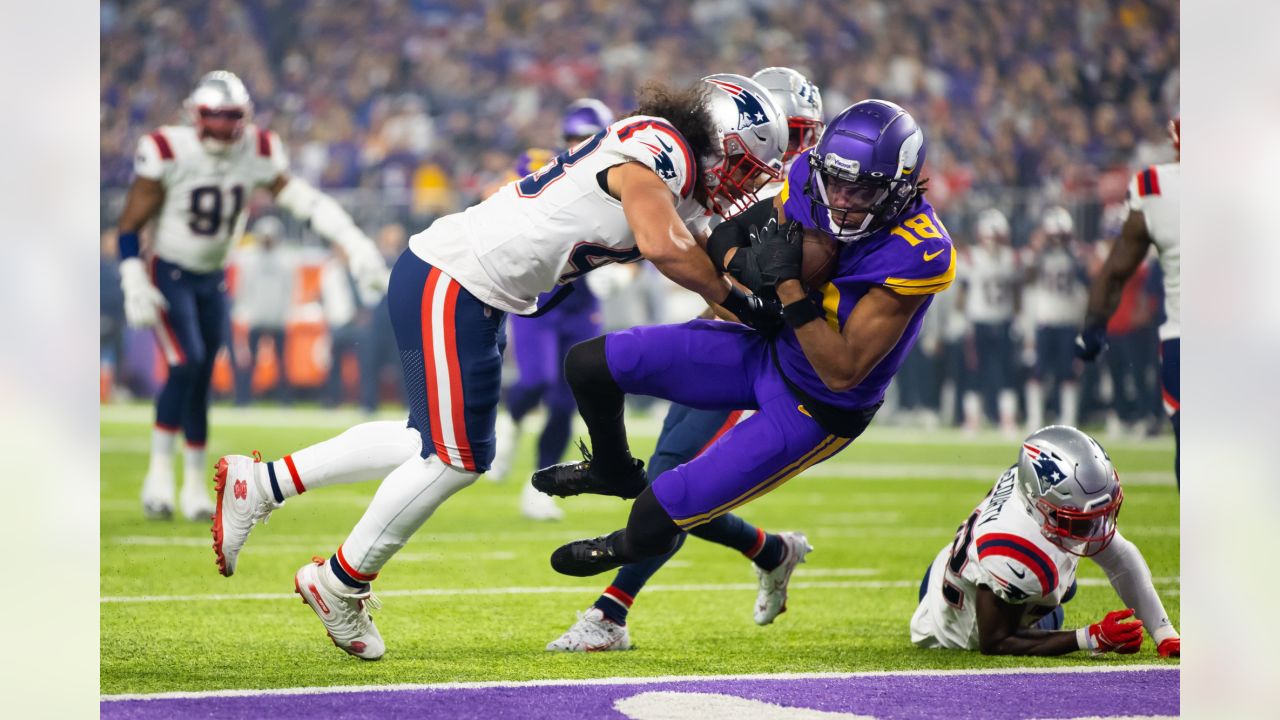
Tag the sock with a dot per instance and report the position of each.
(194, 463)
(771, 551)
(732, 531)
(616, 600)
(404, 501)
(364, 452)
(615, 604)
(162, 442)
(1069, 398)
(1035, 406)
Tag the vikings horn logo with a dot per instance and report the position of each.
(750, 110)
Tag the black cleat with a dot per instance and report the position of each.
(569, 479)
(583, 558)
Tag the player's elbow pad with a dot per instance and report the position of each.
(325, 216)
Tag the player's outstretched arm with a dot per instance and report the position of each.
(1130, 575)
(843, 359)
(327, 218)
(1104, 296)
(142, 301)
(999, 632)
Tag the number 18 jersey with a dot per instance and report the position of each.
(205, 193)
(556, 224)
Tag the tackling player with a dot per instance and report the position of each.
(999, 587)
(687, 431)
(1154, 196)
(195, 180)
(641, 188)
(815, 386)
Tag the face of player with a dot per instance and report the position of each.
(221, 124)
(855, 198)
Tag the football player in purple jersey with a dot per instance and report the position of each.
(815, 384)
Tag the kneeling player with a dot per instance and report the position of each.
(1000, 586)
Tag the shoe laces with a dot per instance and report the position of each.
(586, 455)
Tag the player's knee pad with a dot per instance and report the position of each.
(451, 478)
(587, 368)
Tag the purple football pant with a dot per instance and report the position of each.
(712, 365)
(540, 345)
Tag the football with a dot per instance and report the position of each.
(819, 260)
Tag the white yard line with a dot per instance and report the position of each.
(400, 687)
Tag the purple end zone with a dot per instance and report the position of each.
(995, 696)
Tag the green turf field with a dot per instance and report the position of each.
(876, 515)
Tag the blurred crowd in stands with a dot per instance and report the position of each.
(407, 110)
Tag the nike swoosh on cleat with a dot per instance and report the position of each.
(929, 256)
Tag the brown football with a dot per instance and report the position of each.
(819, 261)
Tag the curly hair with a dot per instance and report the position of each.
(685, 108)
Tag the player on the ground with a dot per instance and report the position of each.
(991, 297)
(195, 181)
(815, 385)
(641, 188)
(540, 344)
(1058, 288)
(687, 431)
(999, 587)
(1154, 195)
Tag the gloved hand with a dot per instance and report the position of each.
(763, 314)
(143, 303)
(1091, 342)
(1170, 647)
(367, 266)
(1115, 635)
(774, 256)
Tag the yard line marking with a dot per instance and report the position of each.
(1092, 667)
(562, 589)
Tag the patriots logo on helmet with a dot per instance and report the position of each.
(750, 110)
(1048, 466)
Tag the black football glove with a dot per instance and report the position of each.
(763, 314)
(780, 251)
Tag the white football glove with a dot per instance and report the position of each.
(367, 267)
(142, 301)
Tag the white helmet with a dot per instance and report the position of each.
(800, 101)
(1068, 483)
(992, 224)
(220, 109)
(750, 136)
(1057, 221)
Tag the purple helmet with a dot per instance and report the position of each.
(866, 168)
(584, 118)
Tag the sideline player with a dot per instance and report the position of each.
(815, 385)
(195, 180)
(991, 293)
(687, 431)
(1154, 196)
(1058, 290)
(642, 188)
(540, 344)
(999, 587)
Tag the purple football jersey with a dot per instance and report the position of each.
(912, 257)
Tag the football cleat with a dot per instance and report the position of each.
(158, 494)
(569, 479)
(592, 633)
(195, 499)
(242, 500)
(583, 558)
(341, 609)
(536, 506)
(772, 598)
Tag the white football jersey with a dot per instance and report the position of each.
(999, 546)
(991, 278)
(1059, 294)
(1155, 193)
(556, 224)
(205, 194)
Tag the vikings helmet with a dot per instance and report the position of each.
(1057, 222)
(799, 101)
(992, 224)
(1069, 485)
(220, 108)
(584, 118)
(748, 140)
(866, 163)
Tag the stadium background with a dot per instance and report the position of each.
(406, 111)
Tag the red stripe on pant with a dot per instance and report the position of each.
(453, 375)
(293, 474)
(458, 409)
(429, 364)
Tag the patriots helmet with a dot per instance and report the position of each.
(584, 118)
(749, 136)
(1057, 224)
(1067, 482)
(220, 109)
(866, 168)
(799, 101)
(992, 227)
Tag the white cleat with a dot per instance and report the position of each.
(158, 494)
(772, 598)
(196, 505)
(536, 506)
(341, 609)
(242, 500)
(506, 441)
(592, 633)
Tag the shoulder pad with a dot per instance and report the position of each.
(1020, 570)
(656, 143)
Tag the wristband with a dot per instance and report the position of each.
(801, 312)
(128, 242)
(1083, 640)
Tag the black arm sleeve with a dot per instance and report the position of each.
(732, 233)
